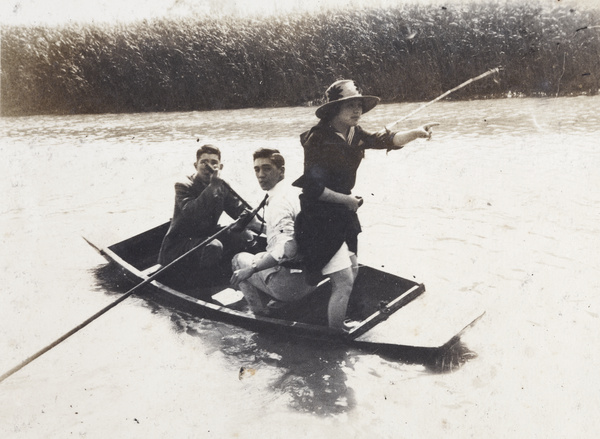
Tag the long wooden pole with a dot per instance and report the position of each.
(244, 202)
(120, 299)
(443, 95)
(235, 194)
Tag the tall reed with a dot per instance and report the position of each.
(410, 53)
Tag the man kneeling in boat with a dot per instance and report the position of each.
(266, 279)
(199, 203)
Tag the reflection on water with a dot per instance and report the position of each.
(310, 372)
(110, 279)
(312, 376)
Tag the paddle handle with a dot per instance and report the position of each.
(235, 194)
(244, 202)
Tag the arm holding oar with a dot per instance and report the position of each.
(244, 202)
(200, 201)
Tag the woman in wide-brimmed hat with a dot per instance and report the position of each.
(327, 227)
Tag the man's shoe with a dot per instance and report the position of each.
(276, 307)
(275, 304)
(349, 325)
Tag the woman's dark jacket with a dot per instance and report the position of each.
(330, 162)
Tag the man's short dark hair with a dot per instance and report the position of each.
(208, 149)
(270, 153)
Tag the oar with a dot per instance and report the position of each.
(443, 95)
(149, 279)
(235, 194)
(244, 202)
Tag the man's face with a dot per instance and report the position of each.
(267, 174)
(206, 165)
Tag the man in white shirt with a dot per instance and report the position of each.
(266, 279)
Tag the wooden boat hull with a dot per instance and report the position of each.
(376, 296)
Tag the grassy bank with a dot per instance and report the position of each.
(412, 53)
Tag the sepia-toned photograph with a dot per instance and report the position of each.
(299, 219)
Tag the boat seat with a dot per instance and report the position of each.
(151, 270)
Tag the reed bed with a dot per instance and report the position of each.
(410, 53)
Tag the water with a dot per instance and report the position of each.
(501, 204)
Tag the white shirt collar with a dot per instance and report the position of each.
(275, 190)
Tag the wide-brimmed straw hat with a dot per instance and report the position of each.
(344, 90)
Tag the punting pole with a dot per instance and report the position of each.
(443, 95)
(126, 295)
(244, 202)
(235, 194)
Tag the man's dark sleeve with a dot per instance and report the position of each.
(233, 206)
(201, 212)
